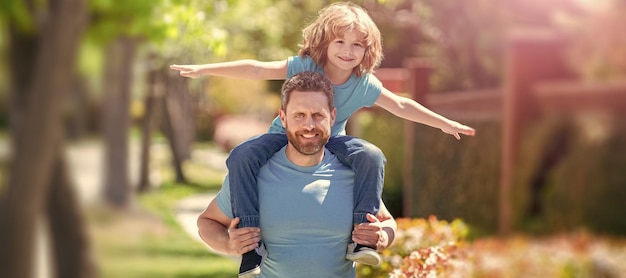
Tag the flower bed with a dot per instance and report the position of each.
(437, 248)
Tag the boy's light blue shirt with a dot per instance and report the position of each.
(305, 217)
(354, 94)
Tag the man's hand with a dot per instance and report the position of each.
(243, 240)
(371, 234)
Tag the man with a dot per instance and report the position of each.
(305, 197)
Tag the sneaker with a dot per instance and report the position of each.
(252, 261)
(363, 254)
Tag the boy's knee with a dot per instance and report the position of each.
(373, 149)
(372, 153)
(241, 153)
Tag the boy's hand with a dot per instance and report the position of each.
(456, 128)
(192, 71)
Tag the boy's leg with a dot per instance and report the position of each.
(368, 163)
(244, 163)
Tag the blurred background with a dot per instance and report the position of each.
(107, 156)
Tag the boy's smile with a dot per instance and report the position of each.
(345, 53)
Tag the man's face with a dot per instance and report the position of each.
(307, 120)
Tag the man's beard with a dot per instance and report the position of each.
(308, 148)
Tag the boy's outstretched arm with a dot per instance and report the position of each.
(244, 69)
(409, 109)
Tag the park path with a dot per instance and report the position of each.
(86, 167)
(85, 160)
(187, 211)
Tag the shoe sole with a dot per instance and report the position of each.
(365, 257)
(257, 270)
(250, 273)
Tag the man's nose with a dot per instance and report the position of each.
(309, 123)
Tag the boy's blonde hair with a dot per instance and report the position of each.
(335, 20)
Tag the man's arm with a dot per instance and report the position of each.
(221, 233)
(389, 225)
(380, 232)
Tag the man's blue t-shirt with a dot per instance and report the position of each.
(354, 94)
(305, 217)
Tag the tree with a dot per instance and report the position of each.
(116, 120)
(126, 30)
(120, 29)
(43, 56)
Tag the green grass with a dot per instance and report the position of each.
(147, 241)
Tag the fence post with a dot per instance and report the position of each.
(417, 85)
(531, 55)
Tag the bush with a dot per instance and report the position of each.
(569, 172)
(583, 186)
(421, 246)
(452, 179)
(437, 248)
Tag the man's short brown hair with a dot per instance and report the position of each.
(307, 81)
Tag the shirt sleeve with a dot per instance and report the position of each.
(223, 199)
(373, 91)
(297, 64)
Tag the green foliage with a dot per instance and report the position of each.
(467, 39)
(464, 38)
(192, 30)
(457, 179)
(450, 176)
(111, 19)
(460, 179)
(15, 11)
(585, 187)
(211, 30)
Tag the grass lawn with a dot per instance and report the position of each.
(147, 241)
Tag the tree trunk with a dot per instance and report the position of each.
(70, 245)
(37, 131)
(152, 112)
(116, 123)
(76, 119)
(177, 124)
(22, 48)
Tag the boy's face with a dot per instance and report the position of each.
(307, 120)
(347, 52)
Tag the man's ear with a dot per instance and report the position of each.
(333, 114)
(282, 115)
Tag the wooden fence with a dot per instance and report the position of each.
(536, 80)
